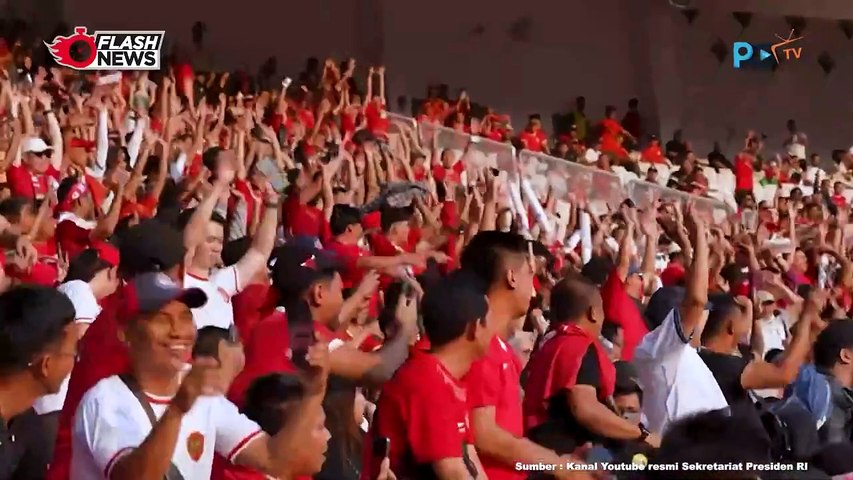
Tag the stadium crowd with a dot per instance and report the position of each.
(238, 276)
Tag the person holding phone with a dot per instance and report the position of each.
(423, 409)
(162, 418)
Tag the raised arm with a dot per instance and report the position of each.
(263, 242)
(693, 307)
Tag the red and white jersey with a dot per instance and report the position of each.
(110, 423)
(220, 286)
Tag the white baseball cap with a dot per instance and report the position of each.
(35, 145)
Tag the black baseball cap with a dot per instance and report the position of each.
(150, 246)
(149, 292)
(294, 268)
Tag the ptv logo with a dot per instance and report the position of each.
(108, 50)
(767, 55)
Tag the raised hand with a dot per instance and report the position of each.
(203, 380)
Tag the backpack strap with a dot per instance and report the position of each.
(173, 473)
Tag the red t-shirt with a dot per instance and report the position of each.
(743, 172)
(183, 72)
(252, 304)
(347, 256)
(453, 174)
(533, 141)
(554, 368)
(493, 381)
(101, 355)
(423, 411)
(377, 118)
(72, 238)
(23, 183)
(305, 220)
(839, 200)
(620, 309)
(267, 352)
(653, 154)
(145, 208)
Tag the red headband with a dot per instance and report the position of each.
(67, 204)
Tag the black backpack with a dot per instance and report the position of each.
(790, 426)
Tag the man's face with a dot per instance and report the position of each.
(57, 362)
(38, 162)
(628, 407)
(535, 125)
(328, 297)
(79, 156)
(164, 339)
(399, 233)
(652, 176)
(634, 285)
(816, 160)
(316, 445)
(209, 253)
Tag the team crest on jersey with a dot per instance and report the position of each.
(195, 445)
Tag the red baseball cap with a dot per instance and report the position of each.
(107, 252)
(672, 275)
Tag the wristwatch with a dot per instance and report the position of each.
(644, 433)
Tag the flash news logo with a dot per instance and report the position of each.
(108, 50)
(767, 55)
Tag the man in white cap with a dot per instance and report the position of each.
(40, 162)
(31, 178)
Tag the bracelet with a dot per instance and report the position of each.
(644, 433)
(271, 205)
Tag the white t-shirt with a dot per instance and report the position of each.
(110, 423)
(675, 381)
(86, 310)
(219, 287)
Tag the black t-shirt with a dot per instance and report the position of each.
(22, 444)
(562, 432)
(727, 370)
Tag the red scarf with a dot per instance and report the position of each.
(547, 377)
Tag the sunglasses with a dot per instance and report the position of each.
(42, 154)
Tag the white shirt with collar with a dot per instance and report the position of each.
(110, 422)
(675, 381)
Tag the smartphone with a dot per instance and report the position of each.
(301, 329)
(407, 290)
(381, 447)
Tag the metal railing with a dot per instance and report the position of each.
(565, 180)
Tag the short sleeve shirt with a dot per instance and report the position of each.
(110, 423)
(493, 381)
(219, 287)
(423, 410)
